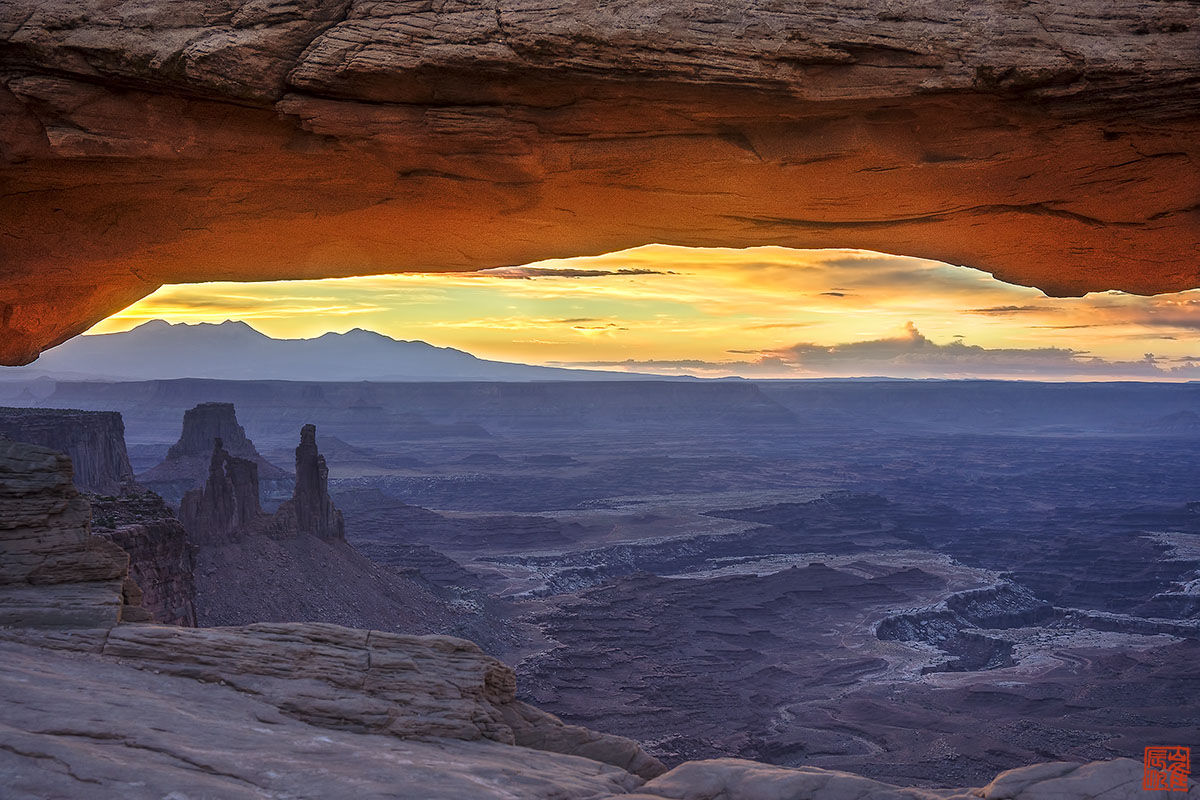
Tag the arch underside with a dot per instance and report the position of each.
(335, 139)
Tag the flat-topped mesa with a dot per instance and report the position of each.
(187, 465)
(94, 441)
(206, 422)
(311, 508)
(227, 505)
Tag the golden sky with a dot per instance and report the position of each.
(757, 312)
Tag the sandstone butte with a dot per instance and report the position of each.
(99, 702)
(1052, 143)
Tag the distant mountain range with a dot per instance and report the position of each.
(235, 351)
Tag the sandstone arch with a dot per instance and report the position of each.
(1051, 142)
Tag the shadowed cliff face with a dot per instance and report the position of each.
(228, 503)
(95, 441)
(315, 512)
(1052, 144)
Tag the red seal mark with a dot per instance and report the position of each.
(1167, 769)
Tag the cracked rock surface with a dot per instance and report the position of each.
(272, 711)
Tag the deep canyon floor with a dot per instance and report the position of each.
(924, 583)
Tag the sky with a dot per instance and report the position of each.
(762, 312)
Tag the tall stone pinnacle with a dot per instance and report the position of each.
(315, 512)
(228, 502)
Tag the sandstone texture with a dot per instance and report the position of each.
(191, 460)
(310, 511)
(160, 556)
(122, 513)
(1052, 143)
(94, 440)
(422, 687)
(310, 711)
(70, 730)
(53, 572)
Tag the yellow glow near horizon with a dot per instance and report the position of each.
(764, 311)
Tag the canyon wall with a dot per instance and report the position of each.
(154, 543)
(1051, 143)
(94, 440)
(53, 572)
(160, 555)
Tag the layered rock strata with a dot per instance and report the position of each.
(160, 556)
(310, 511)
(95, 441)
(333, 712)
(53, 572)
(1051, 143)
(295, 565)
(228, 508)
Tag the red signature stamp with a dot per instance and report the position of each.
(1167, 769)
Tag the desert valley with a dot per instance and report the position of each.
(599, 400)
(920, 582)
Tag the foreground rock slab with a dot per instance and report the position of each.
(74, 723)
(426, 687)
(80, 726)
(734, 779)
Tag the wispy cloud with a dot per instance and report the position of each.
(912, 354)
(1010, 310)
(528, 273)
(672, 308)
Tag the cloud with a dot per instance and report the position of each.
(1007, 310)
(657, 302)
(770, 325)
(912, 354)
(528, 273)
(607, 327)
(763, 367)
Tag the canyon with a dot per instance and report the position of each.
(587, 590)
(384, 715)
(1052, 144)
(95, 441)
(875, 578)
